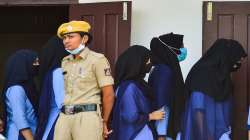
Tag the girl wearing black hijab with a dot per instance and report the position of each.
(209, 85)
(52, 87)
(167, 82)
(131, 113)
(19, 95)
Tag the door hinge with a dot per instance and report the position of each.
(209, 11)
(125, 11)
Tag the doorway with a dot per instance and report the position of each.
(27, 27)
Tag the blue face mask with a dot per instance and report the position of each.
(182, 56)
(77, 50)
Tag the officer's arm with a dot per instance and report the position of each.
(248, 134)
(107, 101)
(105, 82)
(1, 125)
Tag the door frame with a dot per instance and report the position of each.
(36, 2)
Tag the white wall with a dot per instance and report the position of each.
(151, 18)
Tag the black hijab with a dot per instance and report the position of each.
(161, 54)
(211, 74)
(50, 58)
(131, 65)
(51, 55)
(19, 70)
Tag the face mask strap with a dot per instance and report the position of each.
(169, 47)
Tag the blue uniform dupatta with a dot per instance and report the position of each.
(131, 93)
(47, 94)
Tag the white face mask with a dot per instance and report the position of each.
(77, 50)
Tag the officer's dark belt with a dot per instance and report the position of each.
(73, 109)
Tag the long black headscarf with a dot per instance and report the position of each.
(211, 74)
(131, 65)
(50, 58)
(162, 54)
(19, 70)
(51, 55)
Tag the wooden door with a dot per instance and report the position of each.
(231, 20)
(27, 27)
(110, 26)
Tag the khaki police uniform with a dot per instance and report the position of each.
(84, 77)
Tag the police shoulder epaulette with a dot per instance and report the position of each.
(98, 55)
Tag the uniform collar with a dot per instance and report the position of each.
(83, 54)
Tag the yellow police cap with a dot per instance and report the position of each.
(73, 26)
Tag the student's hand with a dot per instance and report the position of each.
(106, 132)
(27, 134)
(1, 125)
(157, 115)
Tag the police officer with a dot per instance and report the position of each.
(87, 76)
